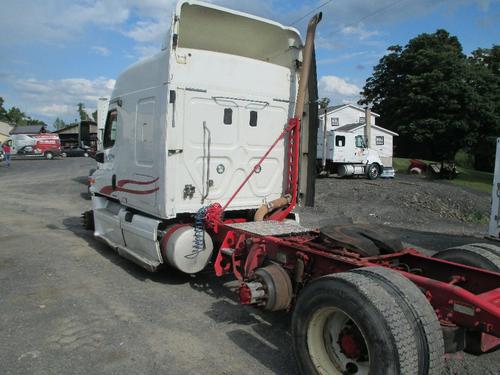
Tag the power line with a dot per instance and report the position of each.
(311, 11)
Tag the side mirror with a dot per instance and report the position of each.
(99, 157)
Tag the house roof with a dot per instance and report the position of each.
(28, 129)
(5, 128)
(357, 125)
(336, 108)
(67, 129)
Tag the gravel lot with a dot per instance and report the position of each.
(69, 305)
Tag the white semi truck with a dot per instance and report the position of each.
(186, 126)
(347, 155)
(216, 117)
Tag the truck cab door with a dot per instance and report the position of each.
(360, 149)
(104, 176)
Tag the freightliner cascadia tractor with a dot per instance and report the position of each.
(200, 168)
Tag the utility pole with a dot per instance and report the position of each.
(368, 126)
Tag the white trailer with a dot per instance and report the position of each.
(186, 126)
(347, 154)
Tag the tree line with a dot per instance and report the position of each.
(16, 116)
(438, 99)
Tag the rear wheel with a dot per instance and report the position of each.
(86, 154)
(479, 255)
(349, 324)
(427, 329)
(373, 171)
(49, 155)
(64, 154)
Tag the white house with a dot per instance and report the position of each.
(351, 118)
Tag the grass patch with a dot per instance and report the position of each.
(470, 178)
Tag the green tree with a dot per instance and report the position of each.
(16, 116)
(59, 124)
(82, 112)
(3, 111)
(420, 92)
(483, 105)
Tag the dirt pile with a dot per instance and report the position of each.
(405, 201)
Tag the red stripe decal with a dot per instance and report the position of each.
(107, 190)
(125, 182)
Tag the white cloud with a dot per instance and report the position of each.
(359, 31)
(148, 31)
(56, 21)
(338, 89)
(57, 110)
(100, 50)
(344, 57)
(59, 98)
(145, 51)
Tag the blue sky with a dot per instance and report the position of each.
(57, 53)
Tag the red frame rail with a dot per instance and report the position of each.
(461, 296)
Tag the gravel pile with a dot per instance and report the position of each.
(405, 201)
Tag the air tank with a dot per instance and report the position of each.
(186, 248)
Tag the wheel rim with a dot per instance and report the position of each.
(373, 172)
(335, 343)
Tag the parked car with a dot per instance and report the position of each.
(76, 151)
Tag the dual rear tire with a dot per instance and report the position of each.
(367, 321)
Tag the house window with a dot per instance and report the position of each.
(362, 119)
(379, 140)
(340, 141)
(335, 121)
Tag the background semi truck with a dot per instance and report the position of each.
(348, 154)
(200, 165)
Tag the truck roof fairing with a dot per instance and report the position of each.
(213, 28)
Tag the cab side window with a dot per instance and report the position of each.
(360, 143)
(110, 129)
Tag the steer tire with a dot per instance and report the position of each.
(362, 302)
(478, 255)
(427, 329)
(373, 171)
